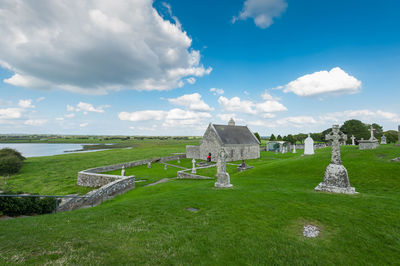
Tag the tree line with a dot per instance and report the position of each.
(350, 127)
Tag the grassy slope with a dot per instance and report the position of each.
(257, 222)
(56, 175)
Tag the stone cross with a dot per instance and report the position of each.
(149, 165)
(223, 179)
(123, 171)
(352, 140)
(399, 135)
(193, 166)
(372, 133)
(336, 136)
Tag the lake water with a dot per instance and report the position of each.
(42, 149)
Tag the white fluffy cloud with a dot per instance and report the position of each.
(296, 121)
(216, 91)
(86, 107)
(248, 107)
(35, 122)
(94, 46)
(262, 11)
(142, 115)
(26, 104)
(191, 101)
(10, 113)
(84, 124)
(173, 118)
(364, 115)
(334, 81)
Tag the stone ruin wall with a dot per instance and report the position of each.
(94, 178)
(110, 185)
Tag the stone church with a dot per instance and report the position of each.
(238, 141)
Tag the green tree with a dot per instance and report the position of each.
(356, 128)
(257, 136)
(279, 137)
(391, 136)
(272, 138)
(291, 139)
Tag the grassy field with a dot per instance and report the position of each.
(56, 175)
(259, 221)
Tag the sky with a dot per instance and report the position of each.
(142, 67)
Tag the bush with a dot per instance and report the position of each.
(14, 206)
(10, 161)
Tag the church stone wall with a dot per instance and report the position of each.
(209, 144)
(238, 152)
(193, 151)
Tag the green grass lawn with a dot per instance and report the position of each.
(56, 175)
(259, 221)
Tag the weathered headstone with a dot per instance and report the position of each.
(352, 140)
(123, 171)
(383, 139)
(149, 165)
(371, 143)
(165, 167)
(178, 161)
(223, 179)
(193, 166)
(294, 148)
(336, 178)
(308, 146)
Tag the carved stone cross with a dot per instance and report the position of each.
(352, 140)
(336, 136)
(372, 133)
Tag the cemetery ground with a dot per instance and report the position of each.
(258, 221)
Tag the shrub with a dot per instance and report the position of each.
(14, 206)
(10, 161)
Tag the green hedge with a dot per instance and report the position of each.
(10, 161)
(15, 206)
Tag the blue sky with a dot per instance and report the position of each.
(171, 67)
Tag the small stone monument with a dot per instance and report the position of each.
(149, 165)
(398, 143)
(223, 179)
(371, 143)
(193, 166)
(309, 146)
(165, 167)
(178, 161)
(336, 178)
(123, 170)
(383, 139)
(352, 140)
(294, 148)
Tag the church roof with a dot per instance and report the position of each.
(235, 135)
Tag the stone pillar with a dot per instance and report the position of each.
(193, 166)
(336, 178)
(223, 179)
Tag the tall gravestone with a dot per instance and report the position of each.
(383, 139)
(398, 143)
(336, 178)
(308, 146)
(223, 179)
(294, 148)
(352, 140)
(193, 166)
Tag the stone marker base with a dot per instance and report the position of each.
(336, 180)
(220, 185)
(344, 190)
(223, 181)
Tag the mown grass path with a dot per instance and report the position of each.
(259, 221)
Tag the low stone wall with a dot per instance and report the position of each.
(97, 196)
(93, 177)
(186, 174)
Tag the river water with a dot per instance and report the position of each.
(42, 149)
